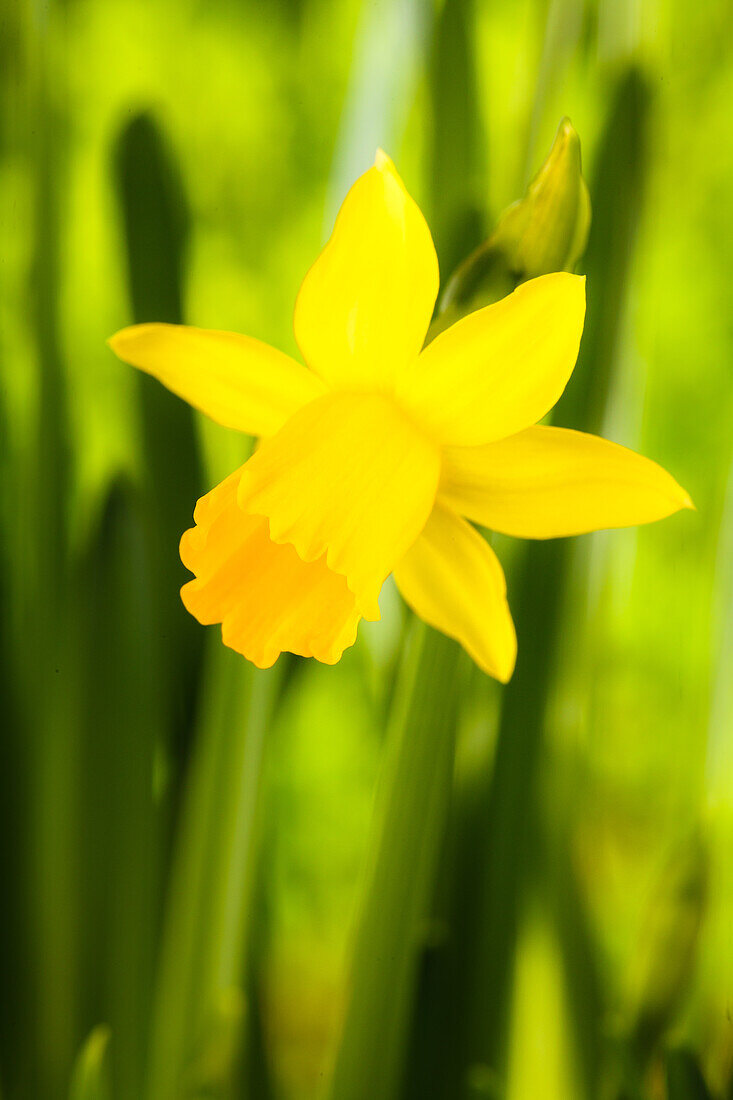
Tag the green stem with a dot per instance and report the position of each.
(206, 924)
(48, 656)
(155, 216)
(410, 822)
(512, 826)
(157, 647)
(458, 215)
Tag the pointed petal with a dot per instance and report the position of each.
(500, 369)
(365, 305)
(267, 599)
(349, 477)
(452, 579)
(551, 482)
(237, 381)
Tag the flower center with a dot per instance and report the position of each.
(349, 476)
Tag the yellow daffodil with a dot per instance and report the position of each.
(374, 458)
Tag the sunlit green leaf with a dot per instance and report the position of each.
(90, 1078)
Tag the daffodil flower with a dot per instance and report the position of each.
(378, 456)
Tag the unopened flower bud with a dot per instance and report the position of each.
(543, 232)
(547, 230)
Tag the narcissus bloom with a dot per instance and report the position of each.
(376, 455)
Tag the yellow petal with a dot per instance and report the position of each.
(267, 599)
(551, 482)
(365, 305)
(501, 368)
(349, 477)
(237, 381)
(452, 579)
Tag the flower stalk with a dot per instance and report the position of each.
(513, 822)
(409, 821)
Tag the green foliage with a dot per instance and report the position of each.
(90, 1077)
(684, 1079)
(203, 895)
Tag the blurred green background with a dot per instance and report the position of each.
(392, 878)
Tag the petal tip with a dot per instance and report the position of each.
(577, 282)
(382, 161)
(579, 296)
(504, 674)
(681, 499)
(114, 341)
(568, 279)
(499, 666)
(121, 341)
(505, 667)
